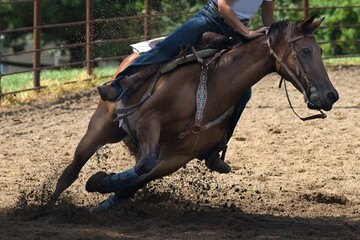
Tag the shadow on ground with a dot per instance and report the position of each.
(168, 219)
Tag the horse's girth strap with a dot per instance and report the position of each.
(218, 120)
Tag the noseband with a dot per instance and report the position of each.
(299, 69)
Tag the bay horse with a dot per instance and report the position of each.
(289, 49)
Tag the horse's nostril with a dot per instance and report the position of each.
(332, 97)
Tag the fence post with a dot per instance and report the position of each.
(89, 36)
(305, 7)
(147, 20)
(37, 39)
(1, 68)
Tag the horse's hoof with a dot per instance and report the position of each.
(105, 206)
(53, 199)
(95, 183)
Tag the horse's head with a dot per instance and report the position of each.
(298, 60)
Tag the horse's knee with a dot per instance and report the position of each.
(145, 165)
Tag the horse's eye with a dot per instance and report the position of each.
(306, 51)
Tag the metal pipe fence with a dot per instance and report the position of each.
(90, 22)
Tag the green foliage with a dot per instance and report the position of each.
(338, 16)
(334, 16)
(163, 25)
(63, 11)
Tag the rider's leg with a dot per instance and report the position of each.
(213, 159)
(113, 91)
(163, 51)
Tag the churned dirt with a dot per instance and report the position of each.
(290, 179)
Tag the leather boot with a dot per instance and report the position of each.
(109, 93)
(136, 79)
(217, 164)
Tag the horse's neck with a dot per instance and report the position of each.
(249, 63)
(244, 66)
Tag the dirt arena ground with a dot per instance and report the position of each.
(290, 179)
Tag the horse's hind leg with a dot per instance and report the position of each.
(101, 130)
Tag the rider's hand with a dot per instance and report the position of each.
(256, 33)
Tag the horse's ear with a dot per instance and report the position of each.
(308, 25)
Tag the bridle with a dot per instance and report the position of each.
(299, 69)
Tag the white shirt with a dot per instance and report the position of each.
(246, 9)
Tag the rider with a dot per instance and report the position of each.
(224, 17)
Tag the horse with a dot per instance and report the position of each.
(290, 49)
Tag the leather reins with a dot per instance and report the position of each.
(299, 69)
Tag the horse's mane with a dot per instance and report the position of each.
(276, 30)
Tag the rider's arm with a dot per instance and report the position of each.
(231, 19)
(267, 13)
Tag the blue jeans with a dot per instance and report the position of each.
(207, 19)
(239, 108)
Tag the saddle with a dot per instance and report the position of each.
(207, 40)
(208, 45)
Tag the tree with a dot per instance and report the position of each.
(63, 11)
(333, 16)
(338, 16)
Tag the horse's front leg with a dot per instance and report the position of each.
(148, 134)
(101, 130)
(128, 182)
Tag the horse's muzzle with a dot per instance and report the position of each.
(322, 100)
